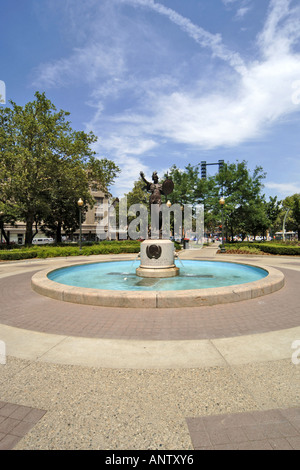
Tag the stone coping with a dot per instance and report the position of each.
(41, 284)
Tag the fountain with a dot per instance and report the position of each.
(157, 282)
(157, 259)
(157, 256)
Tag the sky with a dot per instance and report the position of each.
(165, 82)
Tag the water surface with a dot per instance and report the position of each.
(120, 275)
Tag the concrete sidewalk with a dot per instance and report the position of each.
(60, 391)
(205, 252)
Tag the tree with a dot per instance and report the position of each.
(243, 199)
(256, 218)
(7, 216)
(186, 184)
(240, 188)
(293, 203)
(136, 196)
(72, 180)
(190, 189)
(68, 183)
(273, 210)
(45, 165)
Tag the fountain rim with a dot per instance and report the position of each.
(271, 283)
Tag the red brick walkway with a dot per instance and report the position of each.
(15, 422)
(256, 430)
(23, 308)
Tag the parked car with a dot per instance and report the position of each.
(42, 241)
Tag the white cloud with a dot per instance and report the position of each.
(85, 65)
(229, 2)
(284, 189)
(242, 12)
(282, 29)
(134, 113)
(122, 145)
(197, 33)
(234, 113)
(225, 117)
(2, 92)
(127, 149)
(131, 167)
(244, 6)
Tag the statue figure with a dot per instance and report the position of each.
(157, 189)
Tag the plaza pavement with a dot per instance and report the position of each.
(84, 377)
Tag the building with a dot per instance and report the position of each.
(89, 233)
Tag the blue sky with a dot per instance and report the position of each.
(165, 82)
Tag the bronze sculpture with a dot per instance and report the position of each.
(157, 190)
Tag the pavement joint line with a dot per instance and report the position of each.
(60, 341)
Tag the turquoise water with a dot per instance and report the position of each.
(120, 275)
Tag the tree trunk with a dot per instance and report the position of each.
(58, 233)
(29, 231)
(4, 234)
(36, 230)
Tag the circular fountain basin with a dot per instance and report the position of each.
(115, 284)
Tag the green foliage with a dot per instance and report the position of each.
(188, 187)
(274, 248)
(286, 242)
(17, 255)
(108, 247)
(245, 206)
(45, 167)
(177, 246)
(245, 209)
(293, 220)
(279, 249)
(247, 250)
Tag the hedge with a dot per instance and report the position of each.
(272, 248)
(13, 255)
(245, 249)
(64, 251)
(278, 249)
(53, 251)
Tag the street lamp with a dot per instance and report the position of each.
(1, 225)
(222, 202)
(80, 204)
(284, 221)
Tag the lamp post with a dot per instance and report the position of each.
(80, 204)
(222, 202)
(284, 221)
(1, 226)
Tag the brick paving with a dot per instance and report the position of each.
(255, 430)
(23, 308)
(15, 422)
(276, 429)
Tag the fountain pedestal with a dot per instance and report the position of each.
(157, 259)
